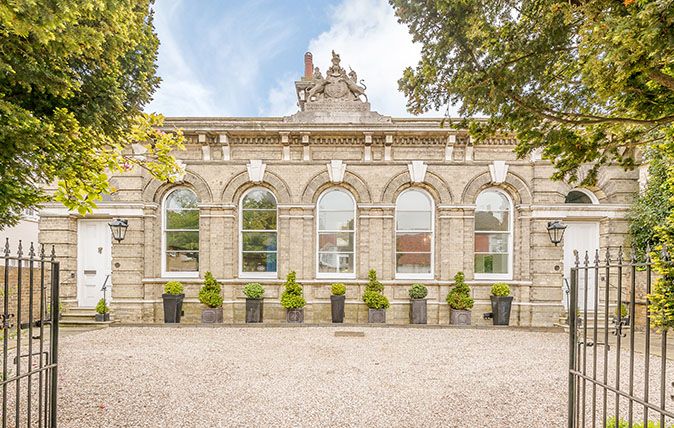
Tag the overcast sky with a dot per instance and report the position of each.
(241, 58)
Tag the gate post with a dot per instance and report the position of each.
(54, 341)
(572, 347)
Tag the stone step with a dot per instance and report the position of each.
(66, 323)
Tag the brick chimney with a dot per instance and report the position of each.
(308, 66)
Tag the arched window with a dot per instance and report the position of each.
(336, 234)
(180, 234)
(258, 234)
(493, 235)
(414, 235)
(580, 196)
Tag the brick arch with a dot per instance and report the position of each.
(351, 182)
(516, 187)
(154, 190)
(434, 184)
(238, 185)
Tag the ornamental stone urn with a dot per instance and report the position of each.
(254, 310)
(337, 306)
(376, 316)
(295, 315)
(418, 311)
(459, 317)
(212, 316)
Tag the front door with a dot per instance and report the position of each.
(94, 255)
(581, 236)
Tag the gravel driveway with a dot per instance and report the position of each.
(194, 377)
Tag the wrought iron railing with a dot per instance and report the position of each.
(29, 323)
(612, 383)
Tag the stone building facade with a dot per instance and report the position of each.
(331, 192)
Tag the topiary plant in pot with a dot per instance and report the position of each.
(102, 311)
(337, 299)
(459, 301)
(173, 301)
(418, 308)
(501, 302)
(293, 300)
(254, 293)
(376, 302)
(210, 296)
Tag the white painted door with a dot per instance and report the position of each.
(94, 255)
(581, 236)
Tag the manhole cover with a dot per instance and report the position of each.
(340, 333)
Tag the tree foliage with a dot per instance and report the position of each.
(588, 82)
(74, 78)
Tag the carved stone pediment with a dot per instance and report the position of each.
(337, 97)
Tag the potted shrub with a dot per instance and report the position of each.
(459, 301)
(501, 302)
(292, 299)
(210, 296)
(173, 301)
(102, 311)
(337, 300)
(418, 309)
(376, 302)
(254, 302)
(624, 315)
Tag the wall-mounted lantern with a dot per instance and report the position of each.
(118, 228)
(556, 231)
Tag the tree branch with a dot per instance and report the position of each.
(664, 79)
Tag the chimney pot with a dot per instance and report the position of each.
(308, 66)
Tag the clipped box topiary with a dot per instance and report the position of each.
(501, 302)
(418, 307)
(254, 293)
(209, 295)
(173, 301)
(293, 300)
(376, 302)
(102, 311)
(337, 300)
(460, 302)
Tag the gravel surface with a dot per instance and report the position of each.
(392, 377)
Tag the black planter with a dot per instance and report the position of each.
(337, 305)
(500, 308)
(418, 311)
(103, 317)
(254, 310)
(376, 316)
(212, 316)
(173, 307)
(295, 315)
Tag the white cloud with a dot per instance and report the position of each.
(181, 92)
(282, 99)
(369, 39)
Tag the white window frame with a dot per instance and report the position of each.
(261, 275)
(432, 232)
(336, 275)
(511, 249)
(593, 198)
(164, 273)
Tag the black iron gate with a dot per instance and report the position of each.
(613, 383)
(29, 326)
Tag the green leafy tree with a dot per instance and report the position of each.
(74, 78)
(459, 296)
(588, 82)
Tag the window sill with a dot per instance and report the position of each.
(173, 275)
(420, 277)
(261, 275)
(335, 276)
(494, 276)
